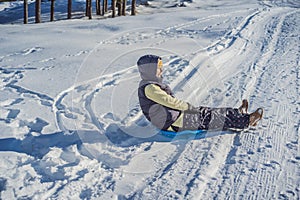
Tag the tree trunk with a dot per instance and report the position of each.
(104, 10)
(25, 11)
(86, 7)
(69, 9)
(103, 7)
(133, 5)
(124, 7)
(113, 6)
(89, 9)
(98, 7)
(119, 6)
(38, 11)
(52, 11)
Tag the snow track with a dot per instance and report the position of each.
(261, 159)
(98, 145)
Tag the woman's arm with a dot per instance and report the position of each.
(156, 94)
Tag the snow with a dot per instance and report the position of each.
(70, 122)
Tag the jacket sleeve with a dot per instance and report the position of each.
(156, 94)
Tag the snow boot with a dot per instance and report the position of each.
(256, 116)
(244, 107)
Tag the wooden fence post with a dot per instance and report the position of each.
(38, 11)
(69, 9)
(52, 11)
(25, 11)
(133, 5)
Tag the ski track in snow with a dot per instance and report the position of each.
(201, 166)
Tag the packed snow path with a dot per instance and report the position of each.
(85, 139)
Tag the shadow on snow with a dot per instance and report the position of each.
(38, 146)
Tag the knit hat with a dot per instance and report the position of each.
(147, 66)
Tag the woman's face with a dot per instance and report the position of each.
(159, 68)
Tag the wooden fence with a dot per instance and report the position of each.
(117, 5)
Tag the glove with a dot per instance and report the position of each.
(192, 109)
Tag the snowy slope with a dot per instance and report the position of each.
(71, 126)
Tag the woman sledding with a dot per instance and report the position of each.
(166, 112)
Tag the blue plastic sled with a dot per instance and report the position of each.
(182, 133)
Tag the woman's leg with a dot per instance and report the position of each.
(235, 120)
(215, 119)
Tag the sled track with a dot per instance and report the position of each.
(253, 156)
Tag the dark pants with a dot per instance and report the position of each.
(215, 119)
